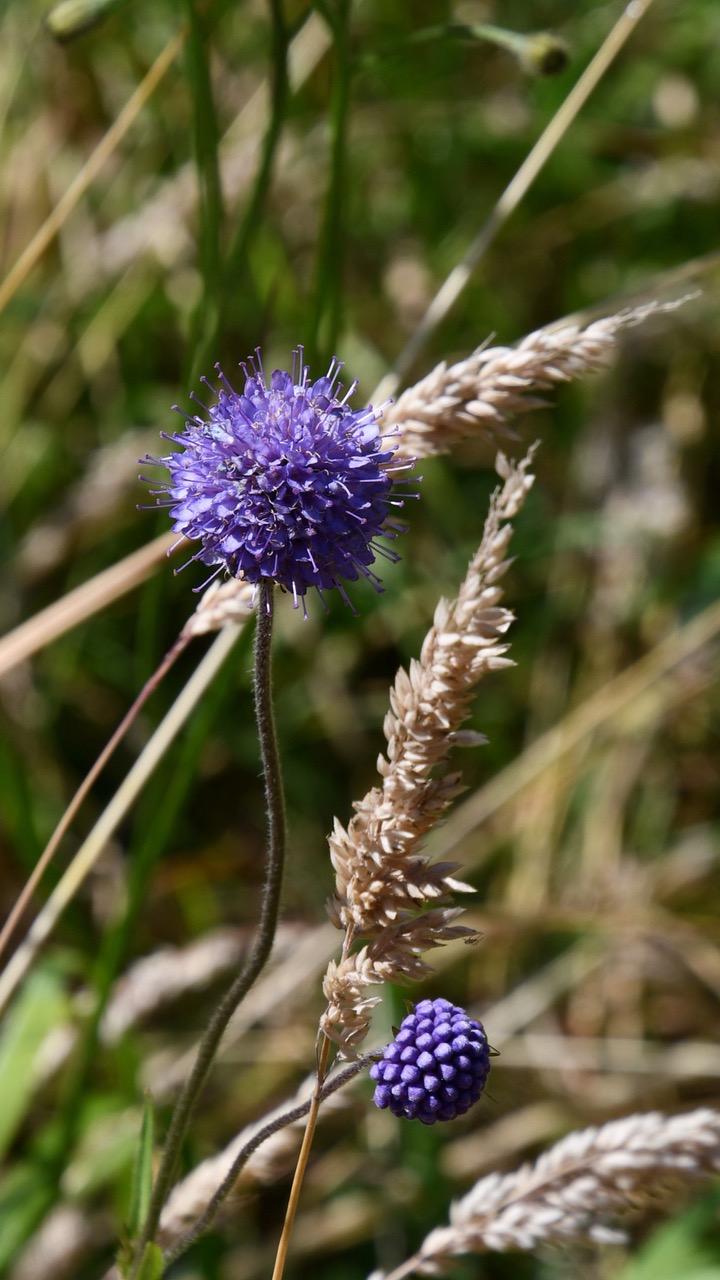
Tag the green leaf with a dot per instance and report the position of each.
(142, 1171)
(25, 1196)
(151, 1267)
(40, 1006)
(683, 1249)
(73, 18)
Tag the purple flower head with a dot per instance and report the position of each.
(437, 1065)
(283, 481)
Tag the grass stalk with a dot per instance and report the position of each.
(299, 1175)
(279, 93)
(451, 289)
(92, 848)
(83, 790)
(206, 134)
(325, 323)
(70, 198)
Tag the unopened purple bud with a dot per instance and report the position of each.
(447, 1061)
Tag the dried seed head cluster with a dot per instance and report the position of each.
(575, 1191)
(477, 395)
(384, 881)
(222, 604)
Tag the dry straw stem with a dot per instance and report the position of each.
(90, 170)
(517, 188)
(383, 879)
(82, 603)
(221, 604)
(477, 395)
(575, 1189)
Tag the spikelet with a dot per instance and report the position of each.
(384, 880)
(575, 1192)
(477, 395)
(225, 602)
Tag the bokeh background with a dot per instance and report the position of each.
(312, 175)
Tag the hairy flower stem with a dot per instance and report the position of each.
(265, 932)
(205, 1221)
(302, 1159)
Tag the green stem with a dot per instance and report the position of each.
(265, 932)
(328, 289)
(206, 135)
(278, 104)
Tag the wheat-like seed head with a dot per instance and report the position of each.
(384, 881)
(576, 1191)
(224, 603)
(477, 395)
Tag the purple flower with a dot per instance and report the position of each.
(283, 481)
(436, 1067)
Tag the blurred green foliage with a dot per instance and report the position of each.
(268, 198)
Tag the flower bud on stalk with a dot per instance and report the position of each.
(284, 482)
(437, 1065)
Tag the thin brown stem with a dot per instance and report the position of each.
(63, 825)
(302, 1161)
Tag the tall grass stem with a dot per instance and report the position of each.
(328, 288)
(90, 851)
(453, 286)
(279, 93)
(64, 824)
(56, 219)
(301, 1165)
